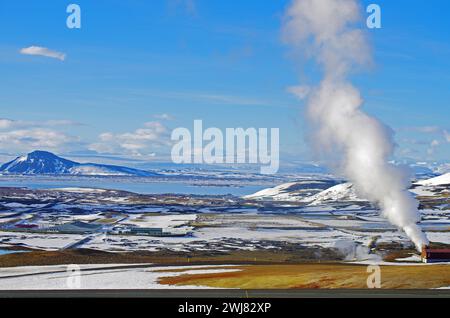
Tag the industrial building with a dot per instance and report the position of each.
(76, 227)
(430, 255)
(149, 231)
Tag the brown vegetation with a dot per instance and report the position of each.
(318, 276)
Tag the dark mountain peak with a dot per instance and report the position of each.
(41, 153)
(45, 156)
(38, 162)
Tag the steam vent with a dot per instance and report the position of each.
(430, 255)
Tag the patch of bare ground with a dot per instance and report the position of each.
(289, 254)
(327, 276)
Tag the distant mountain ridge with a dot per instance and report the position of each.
(47, 163)
(318, 192)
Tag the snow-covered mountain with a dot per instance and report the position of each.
(43, 162)
(310, 192)
(38, 162)
(325, 192)
(292, 191)
(434, 187)
(341, 192)
(436, 181)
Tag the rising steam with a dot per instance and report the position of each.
(325, 29)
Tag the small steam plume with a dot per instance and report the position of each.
(326, 29)
(353, 251)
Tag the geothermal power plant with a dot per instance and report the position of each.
(434, 255)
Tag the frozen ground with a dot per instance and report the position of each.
(231, 231)
(310, 212)
(111, 276)
(38, 241)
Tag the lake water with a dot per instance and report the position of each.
(138, 185)
(4, 252)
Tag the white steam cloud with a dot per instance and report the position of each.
(326, 30)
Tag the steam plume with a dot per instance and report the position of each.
(325, 29)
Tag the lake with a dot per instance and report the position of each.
(5, 252)
(136, 185)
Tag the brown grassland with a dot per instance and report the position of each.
(307, 276)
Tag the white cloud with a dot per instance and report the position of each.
(300, 91)
(435, 143)
(6, 124)
(440, 137)
(61, 122)
(26, 140)
(447, 135)
(141, 142)
(43, 51)
(428, 129)
(207, 98)
(215, 98)
(21, 136)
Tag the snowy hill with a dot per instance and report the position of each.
(38, 162)
(292, 191)
(312, 192)
(436, 181)
(43, 162)
(326, 192)
(434, 187)
(340, 192)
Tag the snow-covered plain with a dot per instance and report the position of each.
(48, 242)
(111, 276)
(160, 220)
(315, 217)
(337, 193)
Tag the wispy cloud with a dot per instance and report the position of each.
(447, 135)
(141, 142)
(43, 51)
(425, 129)
(207, 97)
(432, 130)
(21, 136)
(300, 91)
(227, 99)
(26, 140)
(6, 123)
(439, 137)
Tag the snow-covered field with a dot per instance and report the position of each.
(160, 220)
(111, 276)
(46, 242)
(224, 232)
(319, 214)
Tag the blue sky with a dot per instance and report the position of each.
(137, 69)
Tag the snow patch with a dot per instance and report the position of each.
(440, 180)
